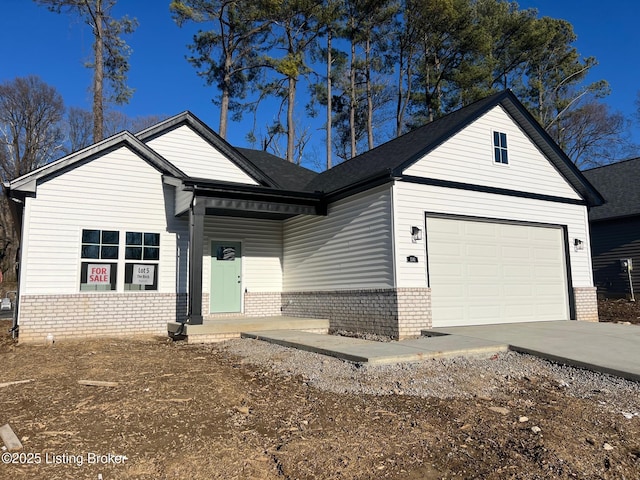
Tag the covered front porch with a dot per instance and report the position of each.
(233, 269)
(220, 328)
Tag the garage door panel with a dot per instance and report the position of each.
(490, 272)
(515, 253)
(481, 291)
(517, 272)
(485, 313)
(482, 251)
(483, 270)
(515, 290)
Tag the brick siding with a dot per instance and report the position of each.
(98, 315)
(586, 303)
(262, 304)
(397, 313)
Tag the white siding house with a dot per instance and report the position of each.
(477, 217)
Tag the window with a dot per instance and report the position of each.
(100, 244)
(97, 246)
(141, 249)
(500, 148)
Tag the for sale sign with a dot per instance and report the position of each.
(99, 274)
(143, 274)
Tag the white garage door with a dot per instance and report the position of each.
(485, 272)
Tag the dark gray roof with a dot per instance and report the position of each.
(289, 176)
(392, 155)
(618, 184)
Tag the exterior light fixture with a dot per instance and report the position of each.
(416, 234)
(578, 244)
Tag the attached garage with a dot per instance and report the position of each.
(483, 272)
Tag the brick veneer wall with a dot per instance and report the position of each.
(98, 315)
(262, 304)
(586, 303)
(414, 311)
(392, 312)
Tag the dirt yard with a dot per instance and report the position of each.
(619, 310)
(244, 411)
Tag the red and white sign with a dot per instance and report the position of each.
(98, 274)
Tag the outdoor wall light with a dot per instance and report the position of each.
(578, 244)
(416, 234)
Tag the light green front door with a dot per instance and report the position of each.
(226, 277)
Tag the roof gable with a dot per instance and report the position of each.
(467, 157)
(209, 155)
(618, 184)
(391, 159)
(28, 183)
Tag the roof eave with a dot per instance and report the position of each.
(552, 150)
(28, 182)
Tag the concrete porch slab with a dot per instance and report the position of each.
(229, 327)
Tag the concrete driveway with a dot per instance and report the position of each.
(603, 347)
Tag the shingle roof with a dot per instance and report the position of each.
(401, 150)
(618, 184)
(289, 176)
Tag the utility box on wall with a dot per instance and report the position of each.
(626, 266)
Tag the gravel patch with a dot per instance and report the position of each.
(459, 377)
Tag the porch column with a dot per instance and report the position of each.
(196, 242)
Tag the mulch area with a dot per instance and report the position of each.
(619, 310)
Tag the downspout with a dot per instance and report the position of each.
(16, 303)
(16, 208)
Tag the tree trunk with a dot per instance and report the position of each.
(329, 99)
(369, 93)
(224, 100)
(352, 100)
(291, 131)
(98, 76)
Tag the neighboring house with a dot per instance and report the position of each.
(475, 218)
(615, 228)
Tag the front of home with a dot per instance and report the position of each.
(475, 218)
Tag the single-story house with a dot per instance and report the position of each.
(615, 229)
(478, 217)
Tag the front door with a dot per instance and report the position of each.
(226, 277)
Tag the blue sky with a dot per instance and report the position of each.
(54, 47)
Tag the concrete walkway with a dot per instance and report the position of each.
(368, 351)
(603, 347)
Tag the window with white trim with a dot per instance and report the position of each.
(142, 254)
(500, 148)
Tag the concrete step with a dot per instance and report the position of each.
(224, 328)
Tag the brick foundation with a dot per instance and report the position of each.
(396, 313)
(586, 304)
(98, 315)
